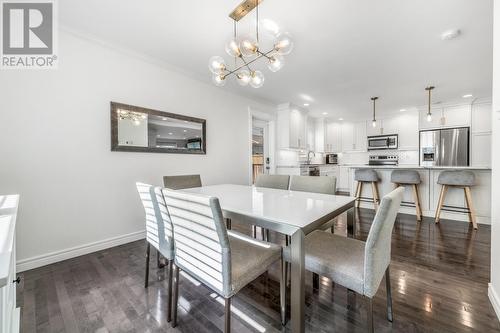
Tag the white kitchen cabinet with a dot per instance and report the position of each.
(320, 135)
(344, 179)
(291, 127)
(407, 130)
(360, 141)
(437, 114)
(456, 116)
(333, 137)
(348, 137)
(481, 118)
(481, 149)
(311, 134)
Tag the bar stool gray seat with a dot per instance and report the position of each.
(411, 178)
(356, 265)
(222, 260)
(366, 176)
(158, 232)
(459, 179)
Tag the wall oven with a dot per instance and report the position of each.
(380, 142)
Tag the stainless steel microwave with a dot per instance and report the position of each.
(380, 142)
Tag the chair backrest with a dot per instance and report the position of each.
(279, 182)
(200, 238)
(323, 184)
(158, 225)
(182, 182)
(378, 243)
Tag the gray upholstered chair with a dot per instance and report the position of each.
(158, 231)
(458, 179)
(279, 182)
(366, 176)
(224, 261)
(410, 178)
(357, 265)
(182, 182)
(323, 184)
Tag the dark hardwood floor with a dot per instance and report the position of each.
(439, 280)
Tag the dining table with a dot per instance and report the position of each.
(292, 213)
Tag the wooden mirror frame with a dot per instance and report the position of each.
(114, 131)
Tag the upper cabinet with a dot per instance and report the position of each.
(481, 117)
(449, 116)
(311, 134)
(404, 124)
(291, 127)
(353, 136)
(333, 137)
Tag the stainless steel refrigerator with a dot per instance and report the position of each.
(445, 147)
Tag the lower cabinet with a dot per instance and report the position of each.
(344, 179)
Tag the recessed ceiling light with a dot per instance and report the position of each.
(402, 110)
(306, 104)
(185, 121)
(341, 119)
(170, 133)
(163, 118)
(185, 131)
(450, 34)
(467, 96)
(157, 135)
(306, 97)
(325, 113)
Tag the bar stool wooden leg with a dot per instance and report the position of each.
(472, 213)
(417, 202)
(359, 187)
(442, 195)
(375, 195)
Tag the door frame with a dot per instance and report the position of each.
(271, 145)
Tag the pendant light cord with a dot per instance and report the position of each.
(257, 19)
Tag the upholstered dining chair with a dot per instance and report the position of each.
(356, 265)
(182, 182)
(224, 261)
(158, 232)
(279, 182)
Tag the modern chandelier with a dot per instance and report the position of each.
(247, 49)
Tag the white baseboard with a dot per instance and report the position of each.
(50, 258)
(494, 299)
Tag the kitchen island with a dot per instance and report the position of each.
(429, 191)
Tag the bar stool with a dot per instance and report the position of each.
(366, 176)
(459, 179)
(410, 178)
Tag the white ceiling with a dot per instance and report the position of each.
(345, 50)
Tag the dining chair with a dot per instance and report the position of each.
(223, 261)
(158, 232)
(314, 184)
(356, 265)
(182, 182)
(279, 182)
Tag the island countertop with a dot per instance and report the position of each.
(410, 166)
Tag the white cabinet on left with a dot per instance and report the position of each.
(291, 125)
(9, 314)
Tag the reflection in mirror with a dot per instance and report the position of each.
(139, 129)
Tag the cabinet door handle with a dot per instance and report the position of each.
(18, 280)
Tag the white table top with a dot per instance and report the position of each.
(292, 208)
(8, 213)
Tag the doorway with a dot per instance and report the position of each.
(260, 148)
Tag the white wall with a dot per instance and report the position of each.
(494, 290)
(55, 145)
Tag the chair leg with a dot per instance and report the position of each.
(359, 188)
(389, 294)
(369, 314)
(288, 266)
(148, 252)
(283, 282)
(169, 282)
(315, 281)
(472, 213)
(254, 231)
(417, 202)
(442, 195)
(228, 224)
(227, 316)
(375, 195)
(175, 299)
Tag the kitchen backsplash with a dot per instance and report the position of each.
(291, 157)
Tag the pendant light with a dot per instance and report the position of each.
(429, 114)
(374, 121)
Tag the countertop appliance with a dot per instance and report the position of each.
(332, 159)
(383, 142)
(445, 147)
(383, 160)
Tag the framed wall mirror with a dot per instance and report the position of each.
(137, 129)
